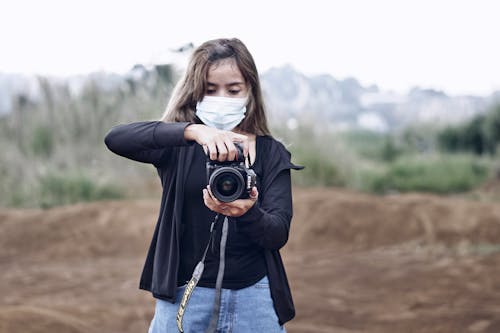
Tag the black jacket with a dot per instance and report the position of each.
(267, 222)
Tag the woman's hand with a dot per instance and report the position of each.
(233, 209)
(219, 143)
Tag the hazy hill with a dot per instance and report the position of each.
(346, 104)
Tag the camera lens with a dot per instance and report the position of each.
(227, 184)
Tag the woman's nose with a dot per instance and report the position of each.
(222, 94)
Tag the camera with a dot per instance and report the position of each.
(231, 180)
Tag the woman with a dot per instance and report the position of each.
(243, 287)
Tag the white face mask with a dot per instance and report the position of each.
(223, 113)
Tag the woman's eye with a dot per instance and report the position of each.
(210, 91)
(234, 92)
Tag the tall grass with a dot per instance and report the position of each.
(52, 150)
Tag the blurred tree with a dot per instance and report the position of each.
(165, 72)
(492, 129)
(450, 139)
(389, 150)
(481, 135)
(474, 138)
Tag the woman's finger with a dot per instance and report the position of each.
(254, 193)
(220, 208)
(221, 149)
(231, 149)
(207, 200)
(243, 140)
(212, 149)
(214, 199)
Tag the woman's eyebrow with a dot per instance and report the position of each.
(228, 84)
(234, 83)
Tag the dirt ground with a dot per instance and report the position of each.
(356, 263)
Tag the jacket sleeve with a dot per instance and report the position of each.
(146, 141)
(268, 221)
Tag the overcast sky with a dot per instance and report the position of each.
(441, 44)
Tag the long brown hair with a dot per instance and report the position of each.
(192, 86)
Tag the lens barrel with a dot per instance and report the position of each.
(227, 184)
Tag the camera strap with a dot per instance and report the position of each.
(220, 275)
(197, 273)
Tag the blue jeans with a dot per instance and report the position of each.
(246, 310)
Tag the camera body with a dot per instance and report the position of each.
(231, 180)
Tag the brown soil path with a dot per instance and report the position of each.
(356, 263)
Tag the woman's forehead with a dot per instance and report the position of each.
(225, 70)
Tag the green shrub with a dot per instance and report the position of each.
(61, 189)
(365, 144)
(434, 173)
(320, 169)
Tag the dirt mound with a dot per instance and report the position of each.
(39, 320)
(359, 221)
(356, 263)
(82, 230)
